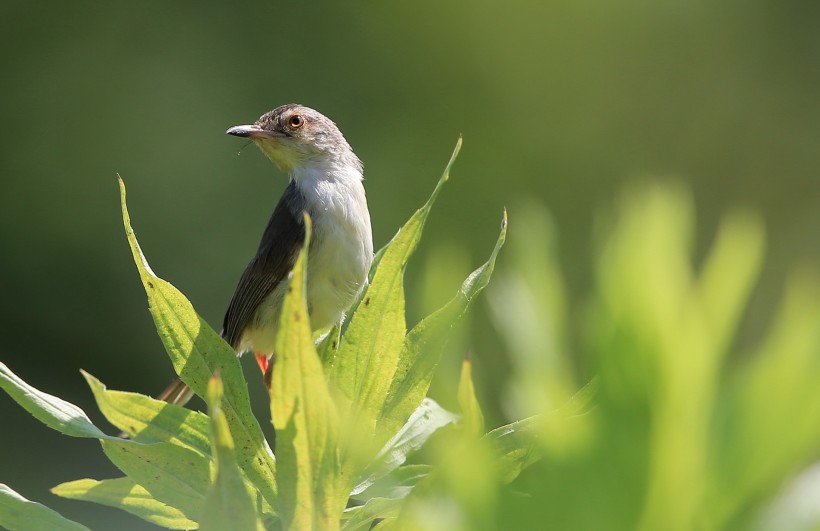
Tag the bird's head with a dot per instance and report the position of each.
(296, 137)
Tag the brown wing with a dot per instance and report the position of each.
(281, 242)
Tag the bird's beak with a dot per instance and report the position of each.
(250, 131)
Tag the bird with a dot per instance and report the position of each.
(325, 181)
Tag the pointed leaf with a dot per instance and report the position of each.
(123, 493)
(518, 445)
(305, 417)
(730, 272)
(228, 504)
(425, 342)
(398, 483)
(373, 341)
(19, 514)
(197, 351)
(473, 418)
(361, 518)
(762, 439)
(148, 420)
(424, 421)
(54, 412)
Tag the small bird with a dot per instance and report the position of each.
(326, 182)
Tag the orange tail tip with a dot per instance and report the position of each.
(262, 360)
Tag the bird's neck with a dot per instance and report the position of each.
(329, 186)
(313, 176)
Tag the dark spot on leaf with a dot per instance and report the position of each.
(296, 317)
(333, 344)
(367, 301)
(150, 284)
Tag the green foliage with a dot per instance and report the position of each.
(20, 514)
(672, 430)
(125, 494)
(229, 503)
(346, 421)
(197, 352)
(684, 432)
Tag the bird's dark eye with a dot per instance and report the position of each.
(296, 121)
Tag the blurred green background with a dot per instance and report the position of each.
(560, 103)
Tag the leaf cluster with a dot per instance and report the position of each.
(346, 415)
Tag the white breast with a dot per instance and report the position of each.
(342, 247)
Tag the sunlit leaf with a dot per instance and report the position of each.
(19, 514)
(362, 517)
(728, 276)
(146, 420)
(54, 412)
(770, 422)
(123, 493)
(197, 352)
(519, 444)
(228, 504)
(372, 343)
(173, 475)
(424, 421)
(424, 344)
(396, 484)
(307, 426)
(470, 409)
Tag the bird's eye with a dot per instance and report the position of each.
(296, 121)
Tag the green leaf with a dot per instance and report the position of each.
(424, 421)
(123, 493)
(54, 412)
(473, 418)
(425, 343)
(516, 445)
(362, 517)
(398, 483)
(148, 420)
(373, 340)
(730, 272)
(519, 444)
(197, 352)
(19, 514)
(229, 504)
(541, 367)
(305, 418)
(328, 349)
(769, 424)
(173, 475)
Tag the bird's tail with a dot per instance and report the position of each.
(177, 393)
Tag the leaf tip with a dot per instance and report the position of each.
(215, 390)
(454, 156)
(92, 381)
(308, 226)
